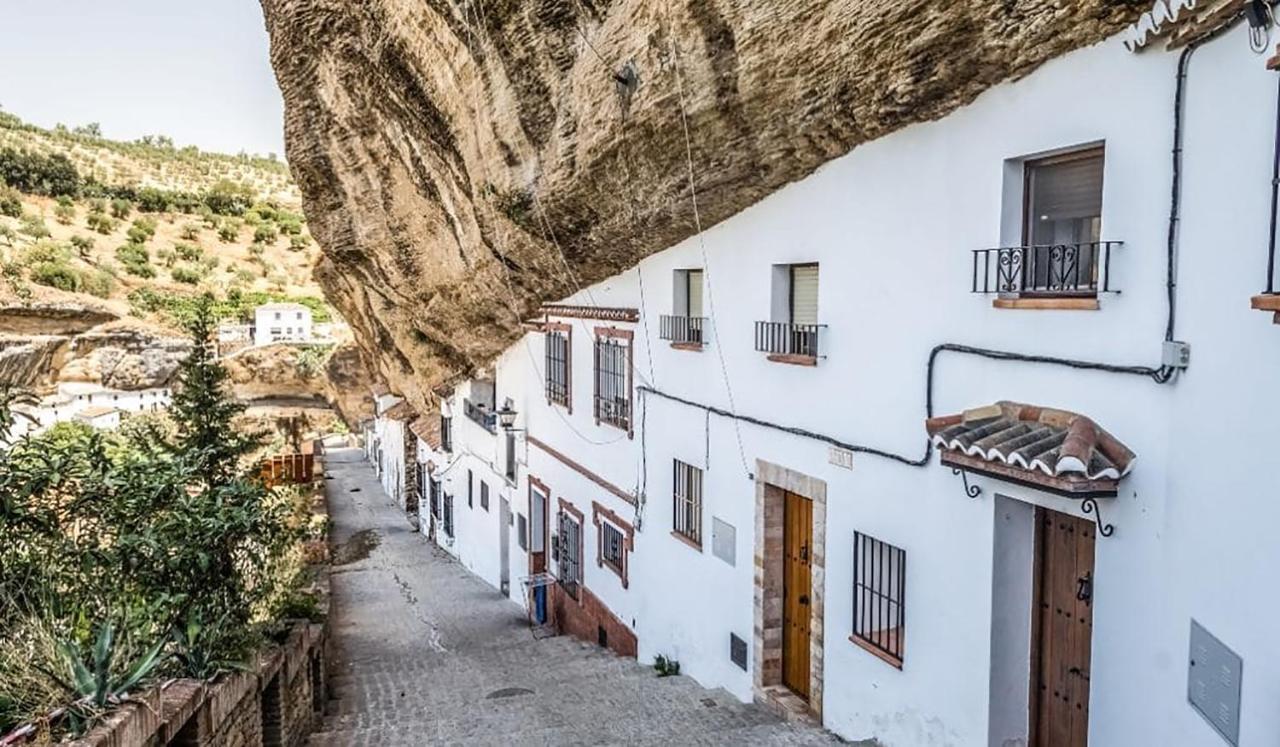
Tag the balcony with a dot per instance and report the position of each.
(1062, 276)
(789, 343)
(684, 332)
(481, 416)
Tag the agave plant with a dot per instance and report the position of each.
(93, 683)
(198, 648)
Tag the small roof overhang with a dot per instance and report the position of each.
(1040, 447)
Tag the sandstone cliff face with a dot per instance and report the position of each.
(462, 161)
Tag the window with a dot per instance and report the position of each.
(614, 540)
(484, 495)
(299, 317)
(612, 551)
(570, 545)
(687, 507)
(435, 499)
(446, 434)
(558, 363)
(511, 456)
(685, 325)
(522, 531)
(791, 335)
(471, 489)
(448, 515)
(277, 316)
(613, 378)
(879, 594)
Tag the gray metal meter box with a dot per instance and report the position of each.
(1213, 682)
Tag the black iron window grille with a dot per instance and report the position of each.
(682, 329)
(613, 382)
(557, 344)
(484, 495)
(447, 519)
(446, 433)
(511, 457)
(570, 541)
(435, 499)
(879, 594)
(481, 416)
(784, 338)
(687, 506)
(612, 548)
(1050, 270)
(471, 489)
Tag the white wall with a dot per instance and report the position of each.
(893, 224)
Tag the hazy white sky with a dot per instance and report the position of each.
(195, 70)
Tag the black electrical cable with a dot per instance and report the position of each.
(1175, 190)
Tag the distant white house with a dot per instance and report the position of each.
(281, 322)
(99, 418)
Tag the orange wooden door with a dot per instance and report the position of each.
(1063, 632)
(797, 589)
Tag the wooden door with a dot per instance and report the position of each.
(1063, 630)
(797, 590)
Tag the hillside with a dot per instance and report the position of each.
(136, 228)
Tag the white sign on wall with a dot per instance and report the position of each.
(840, 457)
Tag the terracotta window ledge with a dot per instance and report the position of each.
(1268, 302)
(887, 658)
(1067, 304)
(686, 540)
(696, 346)
(795, 360)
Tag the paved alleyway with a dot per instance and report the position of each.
(426, 653)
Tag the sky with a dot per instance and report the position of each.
(195, 70)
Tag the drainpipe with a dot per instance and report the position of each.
(1275, 200)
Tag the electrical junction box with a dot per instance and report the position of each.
(1177, 354)
(1213, 682)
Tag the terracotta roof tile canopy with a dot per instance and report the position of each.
(1058, 450)
(428, 429)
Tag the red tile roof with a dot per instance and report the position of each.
(401, 411)
(1064, 448)
(428, 429)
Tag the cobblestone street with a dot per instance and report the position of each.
(426, 653)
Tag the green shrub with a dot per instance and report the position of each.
(66, 201)
(10, 202)
(209, 263)
(83, 245)
(229, 230)
(229, 198)
(256, 250)
(97, 205)
(244, 276)
(289, 223)
(299, 242)
(266, 234)
(167, 257)
(98, 282)
(101, 223)
(186, 274)
(33, 226)
(146, 224)
(137, 235)
(46, 251)
(144, 271)
(35, 173)
(121, 208)
(8, 235)
(191, 231)
(64, 214)
(189, 252)
(136, 260)
(56, 275)
(152, 200)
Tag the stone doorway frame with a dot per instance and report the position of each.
(772, 482)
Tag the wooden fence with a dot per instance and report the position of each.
(288, 469)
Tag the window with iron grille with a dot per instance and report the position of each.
(511, 456)
(522, 531)
(879, 596)
(448, 515)
(484, 495)
(557, 344)
(446, 434)
(613, 550)
(435, 499)
(687, 508)
(570, 541)
(613, 381)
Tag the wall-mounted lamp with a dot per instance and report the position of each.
(507, 417)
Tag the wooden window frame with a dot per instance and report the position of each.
(601, 515)
(554, 328)
(887, 644)
(694, 541)
(614, 333)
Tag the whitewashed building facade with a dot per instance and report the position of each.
(913, 447)
(281, 322)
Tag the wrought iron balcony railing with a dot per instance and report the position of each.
(481, 416)
(1045, 270)
(682, 329)
(782, 338)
